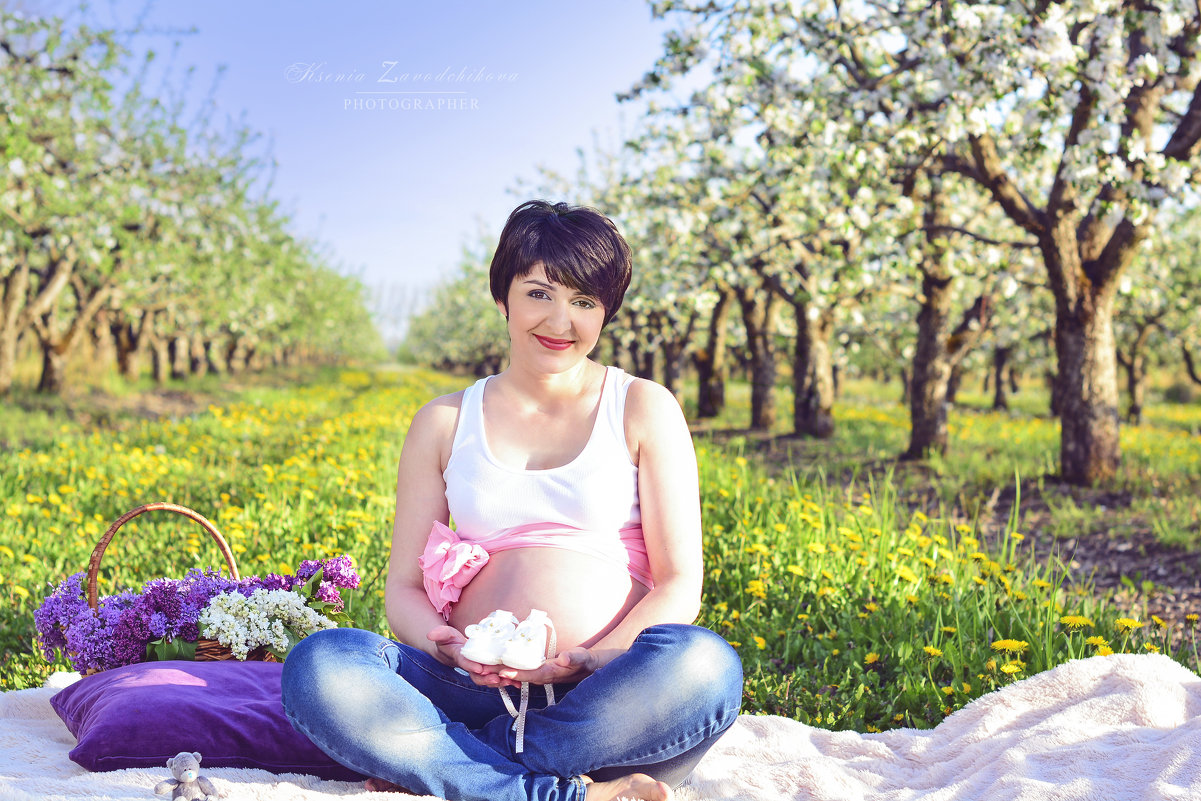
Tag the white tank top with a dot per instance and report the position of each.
(597, 491)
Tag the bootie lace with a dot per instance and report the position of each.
(518, 712)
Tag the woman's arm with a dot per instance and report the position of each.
(420, 500)
(669, 496)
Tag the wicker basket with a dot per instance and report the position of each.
(206, 650)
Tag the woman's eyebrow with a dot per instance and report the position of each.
(542, 284)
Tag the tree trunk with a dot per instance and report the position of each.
(198, 361)
(128, 341)
(711, 361)
(931, 371)
(53, 369)
(757, 305)
(1087, 388)
(953, 382)
(211, 362)
(1000, 360)
(1136, 387)
(813, 373)
(180, 350)
(1190, 366)
(57, 346)
(1136, 369)
(12, 297)
(931, 356)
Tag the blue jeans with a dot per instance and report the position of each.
(388, 710)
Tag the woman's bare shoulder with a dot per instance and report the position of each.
(433, 426)
(648, 403)
(653, 416)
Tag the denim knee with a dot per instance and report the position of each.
(318, 668)
(704, 665)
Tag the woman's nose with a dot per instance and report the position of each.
(560, 317)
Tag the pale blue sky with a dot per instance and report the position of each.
(396, 193)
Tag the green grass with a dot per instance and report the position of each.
(861, 594)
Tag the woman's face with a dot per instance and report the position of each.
(551, 323)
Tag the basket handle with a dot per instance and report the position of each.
(98, 552)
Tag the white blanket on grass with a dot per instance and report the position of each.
(1107, 728)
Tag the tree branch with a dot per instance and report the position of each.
(988, 166)
(1189, 365)
(1184, 142)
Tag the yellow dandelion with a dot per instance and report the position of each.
(1159, 621)
(756, 588)
(734, 643)
(1151, 647)
(1191, 619)
(1127, 624)
(949, 629)
(1104, 650)
(932, 652)
(1042, 584)
(906, 574)
(948, 690)
(760, 643)
(817, 548)
(1097, 642)
(1010, 646)
(1076, 621)
(1009, 668)
(871, 658)
(1017, 536)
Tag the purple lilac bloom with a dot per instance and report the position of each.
(201, 585)
(159, 625)
(162, 601)
(338, 569)
(60, 608)
(90, 640)
(274, 581)
(328, 592)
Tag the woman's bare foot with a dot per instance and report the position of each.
(635, 786)
(384, 786)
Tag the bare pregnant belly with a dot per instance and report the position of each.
(584, 596)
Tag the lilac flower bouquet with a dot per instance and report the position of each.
(168, 616)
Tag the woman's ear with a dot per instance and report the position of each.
(500, 305)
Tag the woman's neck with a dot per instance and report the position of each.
(553, 388)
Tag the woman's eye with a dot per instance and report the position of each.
(538, 293)
(586, 304)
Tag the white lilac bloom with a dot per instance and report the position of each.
(264, 619)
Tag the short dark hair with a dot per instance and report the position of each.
(577, 245)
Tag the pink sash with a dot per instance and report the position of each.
(450, 563)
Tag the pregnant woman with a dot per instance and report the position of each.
(572, 488)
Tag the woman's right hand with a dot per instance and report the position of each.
(449, 642)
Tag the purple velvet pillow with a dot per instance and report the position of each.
(140, 715)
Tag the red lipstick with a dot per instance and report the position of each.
(554, 344)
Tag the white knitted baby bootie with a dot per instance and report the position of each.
(527, 647)
(487, 639)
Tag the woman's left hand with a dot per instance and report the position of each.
(571, 665)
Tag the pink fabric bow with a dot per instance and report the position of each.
(448, 565)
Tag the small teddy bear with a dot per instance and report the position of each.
(188, 783)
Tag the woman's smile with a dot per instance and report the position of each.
(554, 344)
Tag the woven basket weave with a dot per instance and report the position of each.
(206, 650)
